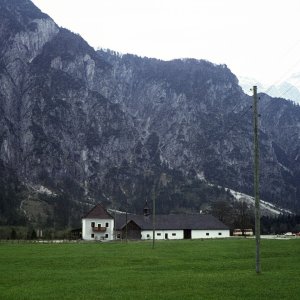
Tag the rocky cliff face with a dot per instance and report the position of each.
(203, 121)
(55, 131)
(79, 126)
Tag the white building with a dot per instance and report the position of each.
(98, 224)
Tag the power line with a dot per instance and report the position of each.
(282, 77)
(231, 127)
(228, 130)
(289, 69)
(276, 82)
(288, 89)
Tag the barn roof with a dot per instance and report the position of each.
(98, 211)
(172, 222)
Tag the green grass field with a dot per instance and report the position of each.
(208, 269)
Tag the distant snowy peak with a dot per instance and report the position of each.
(284, 90)
(288, 89)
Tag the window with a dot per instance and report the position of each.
(148, 235)
(173, 234)
(92, 235)
(106, 235)
(207, 233)
(220, 233)
(99, 226)
(106, 225)
(158, 234)
(118, 235)
(93, 224)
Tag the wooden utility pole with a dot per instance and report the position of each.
(126, 217)
(126, 220)
(153, 220)
(115, 219)
(256, 180)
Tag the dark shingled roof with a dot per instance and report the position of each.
(98, 212)
(169, 222)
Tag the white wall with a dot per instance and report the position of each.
(195, 234)
(87, 232)
(206, 234)
(160, 234)
(87, 229)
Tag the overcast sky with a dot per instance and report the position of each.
(257, 38)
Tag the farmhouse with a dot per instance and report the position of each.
(98, 224)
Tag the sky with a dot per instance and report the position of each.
(258, 39)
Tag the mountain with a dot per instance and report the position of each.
(80, 126)
(204, 122)
(55, 131)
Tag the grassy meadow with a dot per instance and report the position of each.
(188, 269)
